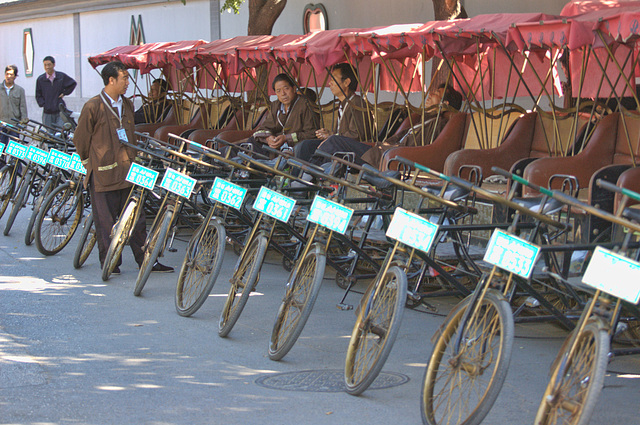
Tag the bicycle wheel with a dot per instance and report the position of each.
(18, 202)
(375, 330)
(576, 381)
(7, 187)
(30, 233)
(119, 237)
(200, 268)
(59, 218)
(461, 386)
(243, 281)
(86, 243)
(154, 246)
(300, 296)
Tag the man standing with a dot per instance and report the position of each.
(105, 121)
(51, 87)
(351, 129)
(13, 103)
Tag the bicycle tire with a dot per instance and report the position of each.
(201, 266)
(243, 281)
(444, 398)
(119, 236)
(18, 202)
(301, 293)
(30, 234)
(375, 330)
(58, 219)
(7, 187)
(154, 246)
(86, 243)
(577, 380)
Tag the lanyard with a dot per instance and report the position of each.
(341, 110)
(110, 108)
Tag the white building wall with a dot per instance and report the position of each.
(170, 21)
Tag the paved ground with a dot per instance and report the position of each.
(76, 350)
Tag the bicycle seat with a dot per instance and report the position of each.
(453, 193)
(374, 177)
(533, 203)
(632, 214)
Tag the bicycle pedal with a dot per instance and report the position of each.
(344, 307)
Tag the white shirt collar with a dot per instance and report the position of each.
(115, 103)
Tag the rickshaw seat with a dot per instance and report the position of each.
(609, 145)
(517, 144)
(450, 139)
(203, 136)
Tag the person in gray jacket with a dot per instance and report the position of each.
(13, 103)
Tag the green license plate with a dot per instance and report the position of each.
(330, 214)
(614, 274)
(37, 155)
(16, 150)
(142, 176)
(178, 183)
(59, 159)
(274, 204)
(75, 164)
(412, 230)
(227, 193)
(511, 253)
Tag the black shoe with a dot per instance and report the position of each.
(116, 271)
(161, 268)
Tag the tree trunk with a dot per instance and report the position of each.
(263, 14)
(444, 10)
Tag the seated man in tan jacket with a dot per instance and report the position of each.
(290, 119)
(351, 129)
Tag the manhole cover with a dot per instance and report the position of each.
(324, 381)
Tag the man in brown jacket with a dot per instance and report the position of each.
(290, 118)
(107, 119)
(351, 129)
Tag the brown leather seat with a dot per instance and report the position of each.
(232, 136)
(151, 128)
(519, 143)
(629, 179)
(450, 139)
(610, 144)
(162, 133)
(237, 122)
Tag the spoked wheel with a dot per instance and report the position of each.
(375, 330)
(153, 248)
(7, 187)
(576, 380)
(460, 386)
(243, 281)
(200, 268)
(299, 298)
(30, 234)
(18, 202)
(119, 237)
(59, 217)
(86, 243)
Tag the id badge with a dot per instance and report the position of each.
(122, 135)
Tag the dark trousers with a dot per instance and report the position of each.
(306, 149)
(106, 207)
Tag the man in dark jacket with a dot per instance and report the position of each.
(51, 87)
